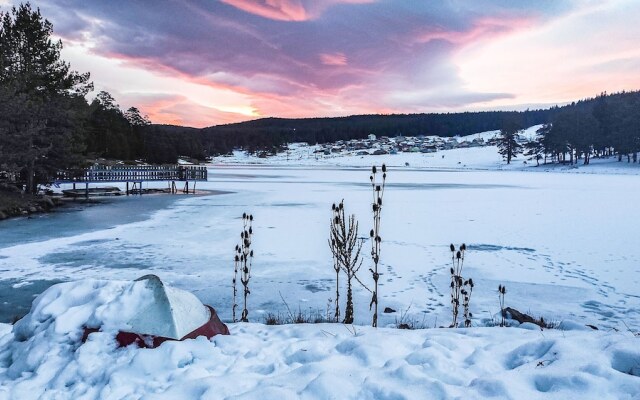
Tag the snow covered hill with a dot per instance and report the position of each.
(43, 357)
(472, 158)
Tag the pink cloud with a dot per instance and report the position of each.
(280, 10)
(288, 10)
(180, 110)
(483, 28)
(336, 59)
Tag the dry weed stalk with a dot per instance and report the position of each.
(246, 258)
(236, 267)
(376, 240)
(457, 283)
(466, 292)
(345, 248)
(502, 290)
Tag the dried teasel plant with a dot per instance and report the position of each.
(236, 268)
(345, 248)
(502, 290)
(244, 256)
(466, 301)
(457, 282)
(335, 251)
(378, 194)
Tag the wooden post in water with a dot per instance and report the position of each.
(86, 190)
(127, 188)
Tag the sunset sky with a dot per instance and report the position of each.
(202, 63)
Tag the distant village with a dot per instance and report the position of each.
(400, 144)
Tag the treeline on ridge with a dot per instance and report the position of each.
(270, 133)
(603, 126)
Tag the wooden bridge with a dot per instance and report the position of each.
(134, 175)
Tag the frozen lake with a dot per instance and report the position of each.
(564, 244)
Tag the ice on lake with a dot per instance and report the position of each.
(562, 243)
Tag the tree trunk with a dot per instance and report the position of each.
(31, 181)
(570, 156)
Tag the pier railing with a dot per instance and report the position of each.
(133, 173)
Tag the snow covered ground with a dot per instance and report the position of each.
(462, 159)
(562, 239)
(44, 358)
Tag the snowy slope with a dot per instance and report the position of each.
(461, 159)
(43, 358)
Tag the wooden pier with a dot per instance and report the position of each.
(134, 175)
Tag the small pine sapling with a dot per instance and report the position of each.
(345, 248)
(502, 290)
(246, 260)
(376, 240)
(457, 283)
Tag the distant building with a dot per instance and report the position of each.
(372, 137)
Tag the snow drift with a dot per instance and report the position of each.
(43, 357)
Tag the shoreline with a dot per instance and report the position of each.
(16, 204)
(70, 218)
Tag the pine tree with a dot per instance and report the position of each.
(135, 118)
(44, 134)
(508, 146)
(535, 149)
